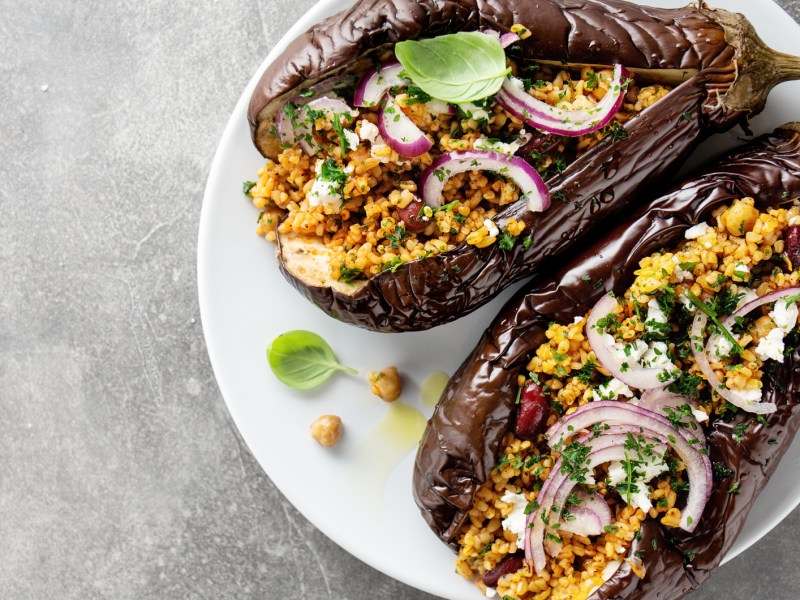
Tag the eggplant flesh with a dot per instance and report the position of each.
(461, 443)
(722, 69)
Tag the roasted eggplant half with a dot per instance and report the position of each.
(403, 195)
(605, 419)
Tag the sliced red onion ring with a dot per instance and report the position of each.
(591, 516)
(376, 81)
(698, 466)
(513, 97)
(636, 376)
(505, 40)
(701, 358)
(606, 447)
(331, 106)
(400, 132)
(660, 399)
(300, 132)
(515, 168)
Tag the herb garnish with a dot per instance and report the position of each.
(712, 315)
(302, 359)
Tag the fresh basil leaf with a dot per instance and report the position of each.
(302, 359)
(459, 67)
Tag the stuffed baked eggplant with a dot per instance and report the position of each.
(610, 432)
(406, 194)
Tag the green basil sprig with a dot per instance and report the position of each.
(303, 360)
(459, 67)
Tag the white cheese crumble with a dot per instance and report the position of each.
(656, 356)
(646, 469)
(687, 304)
(654, 314)
(368, 131)
(437, 107)
(611, 390)
(748, 397)
(785, 317)
(625, 353)
(722, 346)
(491, 228)
(351, 138)
(473, 111)
(510, 148)
(491, 592)
(696, 231)
(515, 522)
(771, 346)
(577, 320)
(679, 273)
(323, 192)
(699, 415)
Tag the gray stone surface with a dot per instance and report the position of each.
(121, 473)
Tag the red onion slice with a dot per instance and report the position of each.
(505, 39)
(659, 400)
(634, 375)
(591, 516)
(515, 168)
(376, 82)
(400, 132)
(698, 466)
(300, 132)
(701, 358)
(557, 487)
(513, 97)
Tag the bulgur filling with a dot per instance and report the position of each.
(370, 216)
(740, 255)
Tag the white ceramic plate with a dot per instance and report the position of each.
(359, 493)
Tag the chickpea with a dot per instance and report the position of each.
(327, 430)
(386, 383)
(740, 218)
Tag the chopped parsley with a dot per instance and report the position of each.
(337, 127)
(397, 237)
(711, 313)
(247, 186)
(506, 241)
(349, 275)
(721, 471)
(739, 431)
(686, 385)
(332, 172)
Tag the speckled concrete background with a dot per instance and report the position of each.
(121, 474)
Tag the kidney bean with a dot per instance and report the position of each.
(411, 217)
(793, 245)
(532, 412)
(510, 564)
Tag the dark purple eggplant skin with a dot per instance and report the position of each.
(461, 443)
(729, 72)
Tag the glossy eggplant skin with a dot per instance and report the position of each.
(461, 443)
(726, 71)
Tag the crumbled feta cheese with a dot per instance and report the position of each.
(771, 346)
(654, 314)
(577, 320)
(748, 397)
(625, 353)
(515, 522)
(699, 415)
(324, 192)
(484, 143)
(679, 273)
(741, 268)
(687, 304)
(721, 346)
(491, 227)
(437, 107)
(351, 138)
(368, 131)
(611, 390)
(473, 111)
(696, 231)
(641, 497)
(491, 592)
(785, 317)
(656, 356)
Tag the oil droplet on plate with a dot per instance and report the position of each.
(384, 447)
(431, 389)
